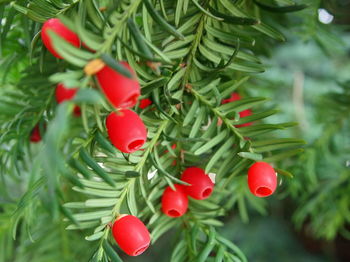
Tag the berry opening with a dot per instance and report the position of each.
(173, 213)
(131, 101)
(206, 192)
(263, 191)
(140, 250)
(135, 145)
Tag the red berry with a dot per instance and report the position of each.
(262, 179)
(60, 29)
(233, 97)
(173, 146)
(174, 203)
(201, 185)
(65, 94)
(120, 91)
(145, 103)
(77, 111)
(244, 113)
(131, 235)
(35, 136)
(126, 130)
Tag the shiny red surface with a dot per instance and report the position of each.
(201, 185)
(126, 130)
(60, 29)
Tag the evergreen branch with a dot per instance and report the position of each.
(216, 112)
(118, 27)
(151, 145)
(193, 49)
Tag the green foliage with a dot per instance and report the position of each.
(188, 56)
(40, 243)
(325, 190)
(318, 97)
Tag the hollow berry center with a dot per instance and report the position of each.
(140, 250)
(263, 191)
(131, 101)
(136, 144)
(173, 213)
(206, 192)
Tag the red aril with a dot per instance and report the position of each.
(55, 25)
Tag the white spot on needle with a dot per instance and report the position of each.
(212, 177)
(151, 174)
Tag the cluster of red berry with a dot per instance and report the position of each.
(262, 182)
(175, 202)
(128, 133)
(133, 236)
(125, 128)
